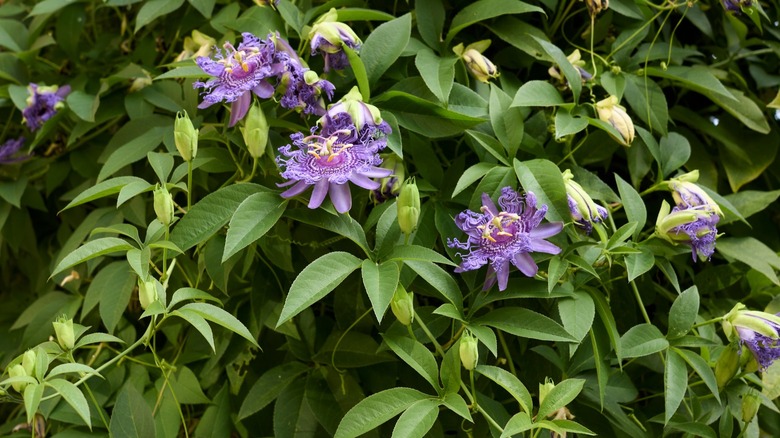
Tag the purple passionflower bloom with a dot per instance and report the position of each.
(239, 72)
(328, 36)
(694, 226)
(503, 237)
(584, 218)
(759, 331)
(43, 103)
(305, 90)
(9, 149)
(328, 160)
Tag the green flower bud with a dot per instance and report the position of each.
(609, 111)
(545, 388)
(727, 365)
(596, 6)
(147, 293)
(687, 194)
(63, 328)
(185, 136)
(17, 371)
(469, 351)
(402, 305)
(163, 205)
(255, 131)
(337, 34)
(408, 207)
(28, 362)
(750, 404)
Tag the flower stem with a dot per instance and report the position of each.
(639, 301)
(709, 321)
(505, 347)
(429, 334)
(189, 185)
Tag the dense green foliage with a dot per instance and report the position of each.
(151, 290)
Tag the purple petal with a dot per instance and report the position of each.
(295, 190)
(341, 197)
(525, 264)
(539, 245)
(239, 108)
(490, 278)
(546, 230)
(378, 172)
(318, 195)
(263, 90)
(503, 276)
(364, 182)
(487, 202)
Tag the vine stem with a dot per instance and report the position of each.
(189, 185)
(639, 301)
(709, 321)
(505, 347)
(336, 347)
(472, 398)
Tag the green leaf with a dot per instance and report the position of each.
(490, 145)
(218, 316)
(697, 78)
(384, 45)
(189, 293)
(456, 404)
(510, 383)
(380, 281)
(525, 323)
(362, 14)
(95, 338)
(205, 7)
(747, 203)
(555, 271)
(12, 191)
(518, 424)
(560, 396)
(90, 250)
(184, 383)
(66, 368)
(416, 355)
(577, 314)
(639, 263)
(13, 35)
(567, 124)
(316, 280)
(439, 279)
(83, 105)
(572, 75)
(642, 340)
(291, 15)
(135, 140)
(417, 420)
(419, 253)
(341, 224)
(154, 9)
(33, 393)
(506, 120)
(483, 10)
(683, 313)
(438, 73)
(162, 163)
(675, 383)
(744, 109)
(49, 6)
(543, 178)
(449, 373)
(184, 72)
(537, 93)
(198, 322)
(633, 204)
(73, 396)
(424, 117)
(648, 102)
(210, 214)
(702, 368)
(432, 27)
(114, 289)
(753, 253)
(251, 220)
(103, 189)
(359, 70)
(131, 417)
(377, 409)
(675, 151)
(471, 175)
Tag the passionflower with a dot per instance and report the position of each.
(584, 210)
(611, 112)
(9, 149)
(759, 331)
(329, 36)
(43, 103)
(336, 152)
(695, 226)
(478, 64)
(498, 238)
(687, 194)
